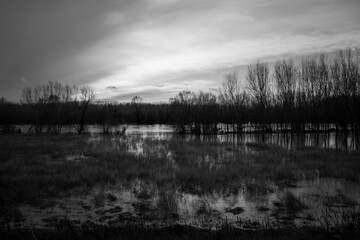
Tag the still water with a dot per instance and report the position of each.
(330, 140)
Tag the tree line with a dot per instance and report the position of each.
(317, 94)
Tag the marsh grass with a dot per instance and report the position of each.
(167, 203)
(99, 199)
(292, 203)
(274, 165)
(33, 168)
(10, 214)
(334, 219)
(203, 207)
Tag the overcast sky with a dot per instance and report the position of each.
(155, 48)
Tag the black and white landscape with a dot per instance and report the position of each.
(179, 119)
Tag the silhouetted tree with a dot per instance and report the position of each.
(259, 87)
(312, 96)
(85, 96)
(7, 116)
(286, 75)
(136, 103)
(206, 109)
(233, 100)
(181, 106)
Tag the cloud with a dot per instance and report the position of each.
(155, 48)
(112, 88)
(23, 80)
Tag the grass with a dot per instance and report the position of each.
(167, 204)
(35, 167)
(272, 164)
(291, 203)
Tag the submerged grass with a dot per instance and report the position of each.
(37, 167)
(292, 203)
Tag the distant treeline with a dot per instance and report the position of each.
(318, 94)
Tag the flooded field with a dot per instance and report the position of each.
(331, 140)
(153, 176)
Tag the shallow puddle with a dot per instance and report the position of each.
(304, 204)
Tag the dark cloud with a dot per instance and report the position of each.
(111, 87)
(39, 36)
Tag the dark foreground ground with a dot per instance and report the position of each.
(68, 231)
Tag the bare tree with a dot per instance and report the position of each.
(311, 86)
(233, 98)
(137, 100)
(85, 96)
(136, 103)
(35, 105)
(205, 106)
(345, 74)
(286, 75)
(259, 82)
(259, 87)
(7, 116)
(181, 109)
